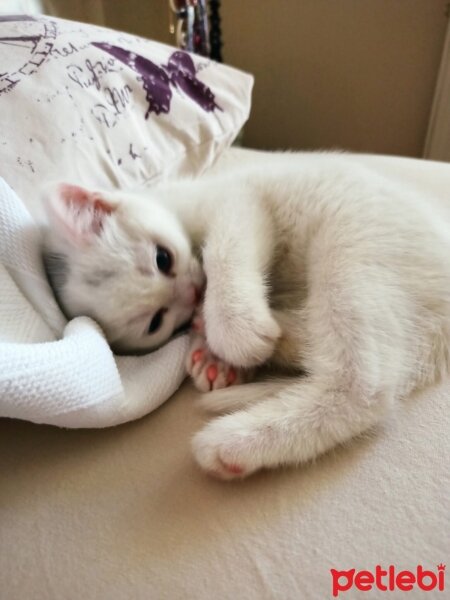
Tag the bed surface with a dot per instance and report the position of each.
(124, 512)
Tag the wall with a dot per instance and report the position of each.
(354, 74)
(358, 74)
(89, 11)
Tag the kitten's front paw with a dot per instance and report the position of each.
(246, 340)
(207, 371)
(227, 448)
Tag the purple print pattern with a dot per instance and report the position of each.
(31, 50)
(30, 44)
(179, 72)
(13, 18)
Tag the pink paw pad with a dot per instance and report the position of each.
(231, 377)
(211, 373)
(233, 468)
(196, 356)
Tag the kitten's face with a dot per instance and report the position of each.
(127, 263)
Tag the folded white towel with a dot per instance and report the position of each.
(58, 373)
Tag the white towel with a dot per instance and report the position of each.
(65, 373)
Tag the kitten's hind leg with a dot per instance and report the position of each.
(235, 398)
(296, 424)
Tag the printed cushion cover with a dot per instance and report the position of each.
(103, 108)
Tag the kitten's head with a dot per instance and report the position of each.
(123, 260)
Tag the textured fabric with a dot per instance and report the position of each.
(75, 381)
(123, 513)
(107, 109)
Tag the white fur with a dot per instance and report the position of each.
(322, 265)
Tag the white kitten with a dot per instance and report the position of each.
(316, 264)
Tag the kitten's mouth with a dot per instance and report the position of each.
(199, 292)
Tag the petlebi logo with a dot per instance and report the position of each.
(388, 580)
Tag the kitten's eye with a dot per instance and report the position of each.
(157, 320)
(163, 260)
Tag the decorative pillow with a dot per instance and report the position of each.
(107, 109)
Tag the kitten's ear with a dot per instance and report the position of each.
(75, 213)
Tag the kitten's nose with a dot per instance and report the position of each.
(197, 294)
(187, 292)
